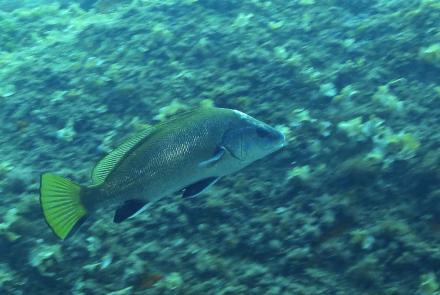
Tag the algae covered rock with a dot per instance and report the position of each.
(46, 258)
(349, 206)
(431, 54)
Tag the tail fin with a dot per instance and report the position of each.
(61, 204)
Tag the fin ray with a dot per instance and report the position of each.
(107, 164)
(61, 204)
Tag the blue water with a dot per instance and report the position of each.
(351, 205)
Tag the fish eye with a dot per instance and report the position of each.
(263, 132)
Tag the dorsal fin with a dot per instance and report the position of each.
(180, 115)
(106, 165)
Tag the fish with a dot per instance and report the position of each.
(185, 154)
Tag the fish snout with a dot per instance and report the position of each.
(274, 138)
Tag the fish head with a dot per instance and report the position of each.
(249, 139)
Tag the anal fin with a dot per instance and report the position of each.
(128, 209)
(198, 187)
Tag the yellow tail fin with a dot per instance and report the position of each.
(61, 204)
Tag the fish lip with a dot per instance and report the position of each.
(278, 139)
(282, 140)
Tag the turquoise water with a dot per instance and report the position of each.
(351, 205)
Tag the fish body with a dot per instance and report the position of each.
(185, 154)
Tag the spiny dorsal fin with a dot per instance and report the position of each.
(180, 115)
(106, 165)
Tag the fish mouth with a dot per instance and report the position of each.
(277, 137)
(281, 140)
(282, 137)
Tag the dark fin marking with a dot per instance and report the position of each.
(128, 209)
(219, 153)
(198, 187)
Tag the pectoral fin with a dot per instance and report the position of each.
(198, 187)
(219, 153)
(128, 209)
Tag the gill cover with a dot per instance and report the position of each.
(251, 139)
(237, 143)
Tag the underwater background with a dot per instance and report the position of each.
(350, 206)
